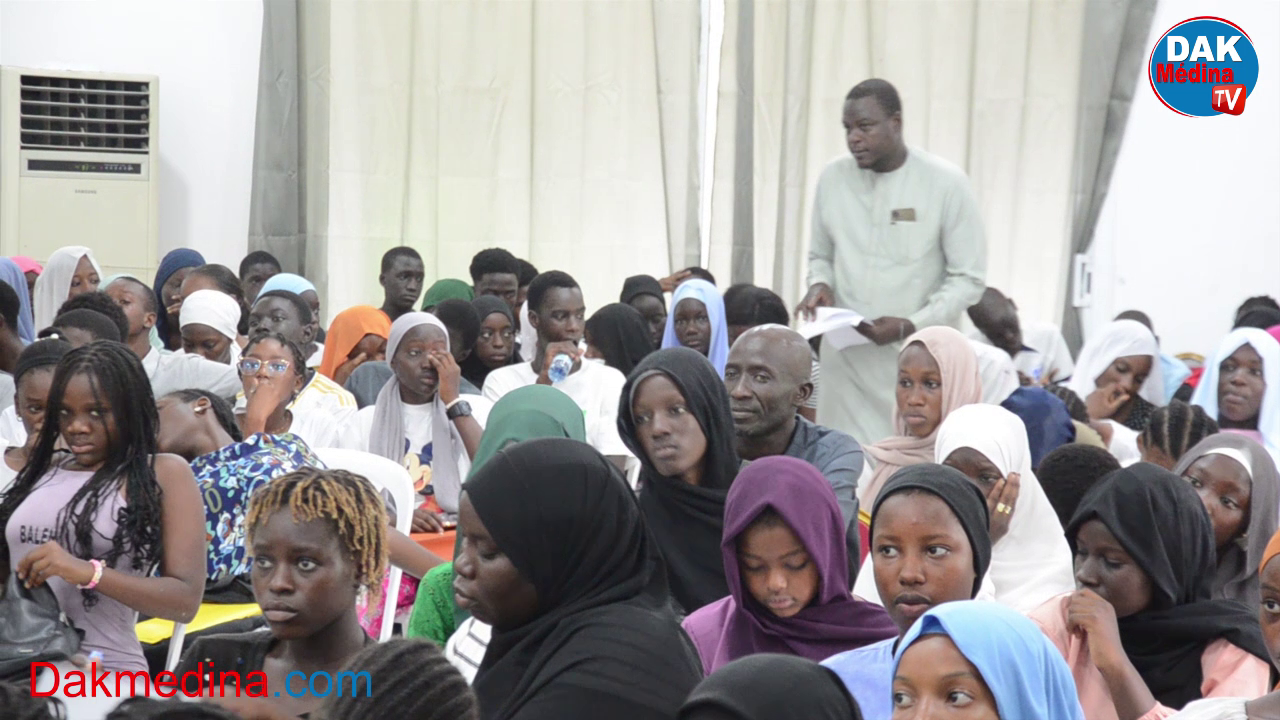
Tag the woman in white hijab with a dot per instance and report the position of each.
(420, 419)
(1030, 559)
(1240, 387)
(70, 271)
(1118, 374)
(209, 319)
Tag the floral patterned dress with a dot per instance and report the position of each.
(227, 478)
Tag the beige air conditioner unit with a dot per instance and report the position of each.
(78, 161)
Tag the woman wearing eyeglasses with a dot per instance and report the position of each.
(273, 371)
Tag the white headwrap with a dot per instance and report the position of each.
(995, 368)
(387, 438)
(54, 283)
(215, 309)
(1032, 562)
(1206, 394)
(1120, 338)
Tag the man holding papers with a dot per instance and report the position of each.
(897, 239)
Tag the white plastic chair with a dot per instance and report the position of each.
(175, 646)
(391, 476)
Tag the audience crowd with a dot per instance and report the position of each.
(652, 511)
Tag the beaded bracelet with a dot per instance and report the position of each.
(97, 575)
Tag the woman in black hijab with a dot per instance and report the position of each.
(1140, 632)
(496, 344)
(557, 558)
(674, 415)
(771, 687)
(618, 334)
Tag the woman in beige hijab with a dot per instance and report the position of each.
(937, 373)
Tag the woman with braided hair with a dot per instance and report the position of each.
(1172, 431)
(317, 538)
(111, 524)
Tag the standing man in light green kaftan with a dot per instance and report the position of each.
(897, 237)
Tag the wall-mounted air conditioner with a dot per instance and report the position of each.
(78, 162)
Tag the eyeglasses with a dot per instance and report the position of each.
(488, 334)
(251, 366)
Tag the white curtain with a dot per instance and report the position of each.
(562, 130)
(991, 86)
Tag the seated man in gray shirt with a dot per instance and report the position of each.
(767, 377)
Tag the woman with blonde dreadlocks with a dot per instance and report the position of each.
(317, 537)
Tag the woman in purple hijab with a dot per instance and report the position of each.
(787, 570)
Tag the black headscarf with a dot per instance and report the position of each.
(771, 687)
(687, 520)
(963, 497)
(605, 642)
(1159, 520)
(472, 369)
(622, 334)
(640, 285)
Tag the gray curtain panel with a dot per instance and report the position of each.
(742, 255)
(1115, 38)
(276, 220)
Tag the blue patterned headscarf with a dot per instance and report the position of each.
(706, 293)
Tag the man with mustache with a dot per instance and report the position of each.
(767, 377)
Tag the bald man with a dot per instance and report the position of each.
(767, 377)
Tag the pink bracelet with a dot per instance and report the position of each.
(97, 575)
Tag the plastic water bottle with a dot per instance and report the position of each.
(561, 366)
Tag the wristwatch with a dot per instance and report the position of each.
(458, 408)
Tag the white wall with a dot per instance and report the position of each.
(1192, 223)
(206, 55)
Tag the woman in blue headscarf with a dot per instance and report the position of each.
(697, 322)
(168, 289)
(13, 276)
(992, 656)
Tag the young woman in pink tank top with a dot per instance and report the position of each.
(114, 528)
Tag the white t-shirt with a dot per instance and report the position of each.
(1049, 354)
(595, 387)
(317, 357)
(11, 428)
(170, 372)
(1045, 354)
(325, 430)
(7, 474)
(419, 432)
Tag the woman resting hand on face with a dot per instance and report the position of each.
(1141, 634)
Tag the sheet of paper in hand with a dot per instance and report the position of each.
(838, 324)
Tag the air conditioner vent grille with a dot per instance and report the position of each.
(63, 113)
